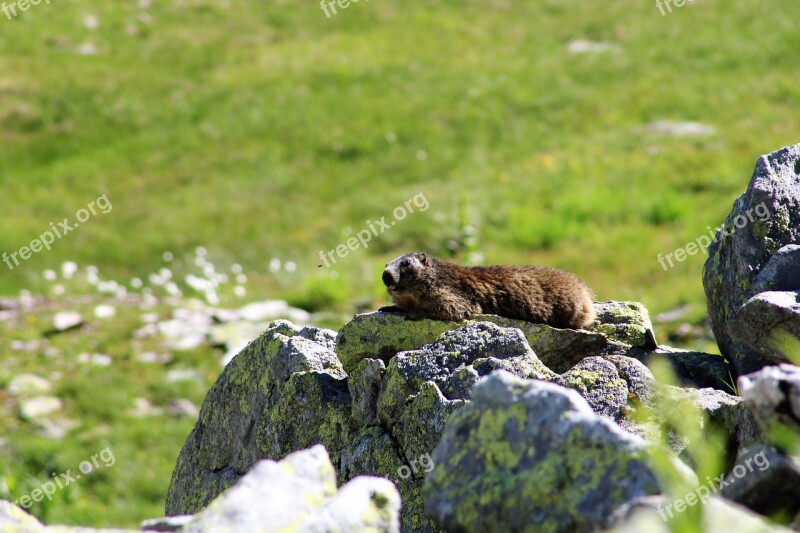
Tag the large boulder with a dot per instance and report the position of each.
(533, 456)
(288, 391)
(283, 393)
(756, 253)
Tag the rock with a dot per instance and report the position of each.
(55, 428)
(40, 406)
(13, 518)
(781, 273)
(693, 369)
(181, 407)
(558, 349)
(66, 320)
(364, 384)
(184, 374)
(299, 494)
(625, 322)
(680, 129)
(97, 359)
(773, 395)
(762, 319)
(723, 411)
(652, 514)
(322, 336)
(272, 310)
(255, 410)
(639, 379)
(532, 456)
(105, 311)
(382, 335)
(599, 383)
(765, 480)
(27, 385)
(764, 221)
(582, 46)
(142, 408)
(436, 363)
(375, 452)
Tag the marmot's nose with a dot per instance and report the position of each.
(388, 278)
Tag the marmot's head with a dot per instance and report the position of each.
(408, 278)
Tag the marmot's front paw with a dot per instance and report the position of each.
(414, 315)
(390, 309)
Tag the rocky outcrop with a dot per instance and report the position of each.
(387, 412)
(751, 275)
(287, 391)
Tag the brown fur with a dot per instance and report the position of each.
(425, 287)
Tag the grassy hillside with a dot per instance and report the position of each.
(267, 131)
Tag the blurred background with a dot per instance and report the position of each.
(236, 143)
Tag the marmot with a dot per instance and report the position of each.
(425, 287)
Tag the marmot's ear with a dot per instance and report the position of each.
(423, 258)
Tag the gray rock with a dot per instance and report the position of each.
(365, 385)
(652, 514)
(625, 322)
(781, 273)
(719, 409)
(763, 319)
(420, 425)
(325, 337)
(763, 221)
(408, 371)
(40, 406)
(13, 518)
(765, 480)
(599, 383)
(26, 385)
(283, 393)
(639, 378)
(66, 320)
(693, 369)
(381, 335)
(299, 494)
(280, 379)
(375, 452)
(773, 395)
(532, 456)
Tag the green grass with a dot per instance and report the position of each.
(265, 130)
